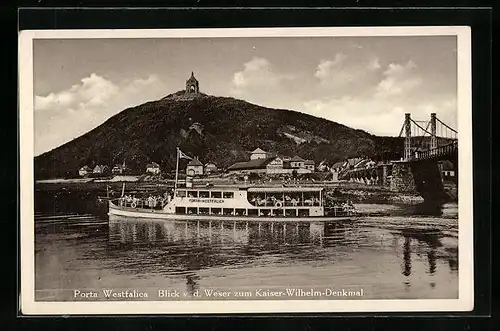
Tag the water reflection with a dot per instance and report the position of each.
(394, 256)
(201, 244)
(429, 242)
(127, 230)
(407, 257)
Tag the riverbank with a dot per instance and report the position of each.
(356, 192)
(370, 194)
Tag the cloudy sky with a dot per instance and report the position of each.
(363, 82)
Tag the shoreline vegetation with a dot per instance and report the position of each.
(356, 192)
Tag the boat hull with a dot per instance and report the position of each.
(160, 214)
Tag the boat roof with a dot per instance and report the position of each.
(253, 189)
(284, 189)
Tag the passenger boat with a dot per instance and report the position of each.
(235, 203)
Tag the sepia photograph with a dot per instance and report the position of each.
(246, 170)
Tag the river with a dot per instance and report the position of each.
(410, 254)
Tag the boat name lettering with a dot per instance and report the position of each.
(207, 200)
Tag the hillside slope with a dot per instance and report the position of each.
(215, 129)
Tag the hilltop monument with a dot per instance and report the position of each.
(192, 86)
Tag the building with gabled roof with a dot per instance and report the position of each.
(297, 162)
(194, 167)
(258, 153)
(309, 165)
(84, 171)
(153, 168)
(210, 168)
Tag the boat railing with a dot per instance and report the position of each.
(286, 202)
(140, 203)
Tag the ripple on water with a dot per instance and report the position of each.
(397, 256)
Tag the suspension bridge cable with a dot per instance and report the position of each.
(421, 128)
(401, 132)
(422, 137)
(446, 125)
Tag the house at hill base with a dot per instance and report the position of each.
(100, 169)
(118, 169)
(84, 171)
(194, 167)
(259, 154)
(447, 170)
(272, 164)
(153, 168)
(210, 168)
(297, 162)
(309, 165)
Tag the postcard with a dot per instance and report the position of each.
(268, 170)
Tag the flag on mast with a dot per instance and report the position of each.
(182, 155)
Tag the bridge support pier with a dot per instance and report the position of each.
(402, 178)
(422, 177)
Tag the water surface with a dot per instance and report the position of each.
(413, 253)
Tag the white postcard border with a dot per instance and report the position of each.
(29, 306)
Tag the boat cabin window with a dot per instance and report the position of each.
(204, 194)
(228, 195)
(216, 194)
(228, 211)
(216, 211)
(204, 211)
(181, 194)
(192, 210)
(180, 210)
(192, 194)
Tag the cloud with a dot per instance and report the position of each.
(373, 64)
(64, 115)
(381, 117)
(368, 114)
(327, 68)
(379, 106)
(347, 74)
(399, 79)
(258, 73)
(259, 81)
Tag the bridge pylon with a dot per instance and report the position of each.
(407, 126)
(433, 134)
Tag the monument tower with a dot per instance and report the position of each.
(192, 86)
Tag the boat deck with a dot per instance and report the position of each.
(159, 214)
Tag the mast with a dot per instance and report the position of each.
(176, 171)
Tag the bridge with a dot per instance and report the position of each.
(418, 171)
